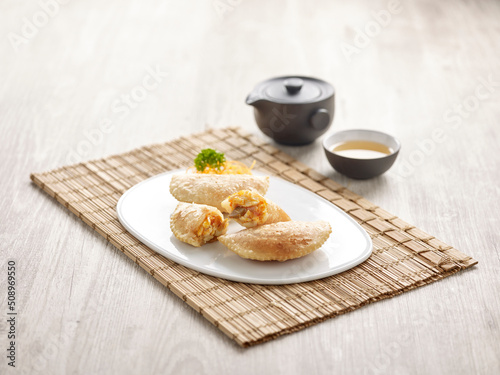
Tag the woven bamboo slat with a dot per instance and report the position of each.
(404, 257)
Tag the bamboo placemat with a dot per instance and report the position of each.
(404, 257)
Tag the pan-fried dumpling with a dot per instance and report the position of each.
(212, 189)
(250, 209)
(197, 224)
(278, 241)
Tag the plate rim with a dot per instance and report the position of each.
(291, 280)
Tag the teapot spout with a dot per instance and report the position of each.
(254, 100)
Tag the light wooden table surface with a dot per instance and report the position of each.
(429, 72)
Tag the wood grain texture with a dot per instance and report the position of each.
(101, 314)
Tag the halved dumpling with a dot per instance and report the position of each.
(212, 189)
(278, 241)
(197, 224)
(250, 209)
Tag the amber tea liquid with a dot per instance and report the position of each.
(361, 149)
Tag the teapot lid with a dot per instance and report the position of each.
(293, 90)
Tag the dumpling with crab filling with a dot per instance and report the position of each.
(250, 209)
(278, 241)
(197, 224)
(212, 189)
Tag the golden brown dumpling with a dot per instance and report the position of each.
(251, 209)
(278, 241)
(212, 189)
(197, 224)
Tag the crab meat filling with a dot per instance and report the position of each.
(248, 207)
(212, 227)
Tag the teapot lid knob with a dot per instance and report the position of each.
(293, 85)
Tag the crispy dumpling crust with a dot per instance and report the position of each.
(278, 241)
(212, 189)
(250, 209)
(197, 224)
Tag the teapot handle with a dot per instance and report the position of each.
(320, 119)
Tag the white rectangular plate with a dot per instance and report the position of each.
(145, 209)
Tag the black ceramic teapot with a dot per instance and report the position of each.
(293, 110)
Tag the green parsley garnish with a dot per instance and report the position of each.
(210, 158)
